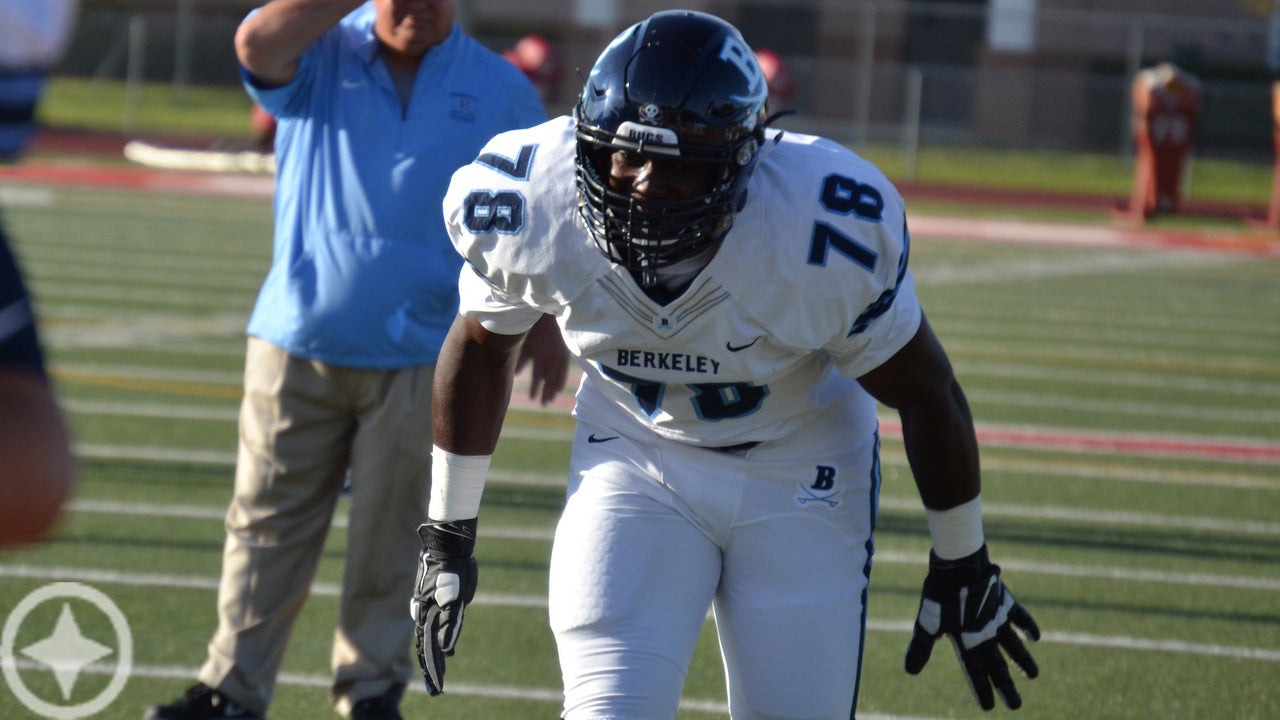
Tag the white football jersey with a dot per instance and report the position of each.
(809, 290)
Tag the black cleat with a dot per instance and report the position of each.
(380, 707)
(201, 702)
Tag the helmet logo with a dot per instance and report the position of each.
(634, 135)
(649, 113)
(735, 51)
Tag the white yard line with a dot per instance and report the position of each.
(506, 692)
(208, 584)
(544, 534)
(1264, 417)
(26, 196)
(1028, 232)
(228, 412)
(227, 458)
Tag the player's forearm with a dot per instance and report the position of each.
(269, 43)
(472, 388)
(937, 428)
(942, 449)
(469, 408)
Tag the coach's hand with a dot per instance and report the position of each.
(965, 600)
(446, 583)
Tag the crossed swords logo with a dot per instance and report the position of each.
(809, 496)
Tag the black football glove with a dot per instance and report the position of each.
(965, 600)
(446, 583)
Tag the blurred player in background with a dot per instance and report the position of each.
(376, 105)
(777, 74)
(37, 468)
(263, 125)
(738, 300)
(540, 62)
(1166, 116)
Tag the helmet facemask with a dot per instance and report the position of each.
(643, 234)
(669, 89)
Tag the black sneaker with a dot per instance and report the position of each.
(201, 702)
(381, 707)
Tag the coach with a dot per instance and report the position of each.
(377, 104)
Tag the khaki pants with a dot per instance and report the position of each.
(302, 425)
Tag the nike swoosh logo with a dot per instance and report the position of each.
(352, 84)
(739, 348)
(988, 595)
(593, 439)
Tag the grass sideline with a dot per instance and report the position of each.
(220, 112)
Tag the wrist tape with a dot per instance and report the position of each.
(457, 481)
(956, 532)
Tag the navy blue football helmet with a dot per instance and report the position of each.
(679, 84)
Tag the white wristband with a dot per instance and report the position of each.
(956, 532)
(457, 481)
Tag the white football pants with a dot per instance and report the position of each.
(777, 539)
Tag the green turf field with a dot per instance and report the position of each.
(1152, 567)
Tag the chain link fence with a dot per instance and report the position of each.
(1000, 73)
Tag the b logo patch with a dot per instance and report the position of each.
(822, 489)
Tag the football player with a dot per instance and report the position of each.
(738, 300)
(39, 468)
